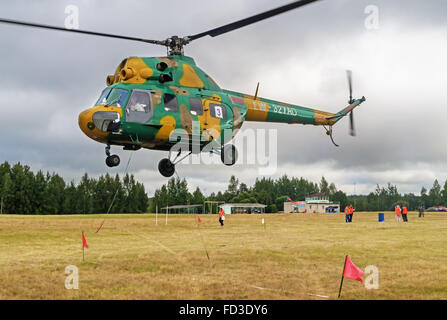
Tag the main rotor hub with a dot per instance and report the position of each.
(175, 45)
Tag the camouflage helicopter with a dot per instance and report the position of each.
(147, 100)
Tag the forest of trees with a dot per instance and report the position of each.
(274, 193)
(25, 192)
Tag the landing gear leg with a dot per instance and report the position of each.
(111, 160)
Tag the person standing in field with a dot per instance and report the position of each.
(404, 213)
(421, 211)
(347, 214)
(397, 211)
(221, 217)
(351, 212)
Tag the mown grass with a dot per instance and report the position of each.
(295, 256)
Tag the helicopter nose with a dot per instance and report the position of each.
(86, 124)
(84, 119)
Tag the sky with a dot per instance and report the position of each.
(396, 53)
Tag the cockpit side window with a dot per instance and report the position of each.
(139, 106)
(196, 106)
(170, 101)
(218, 111)
(139, 101)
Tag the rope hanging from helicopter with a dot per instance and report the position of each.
(116, 193)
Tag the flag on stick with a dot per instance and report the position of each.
(198, 220)
(84, 242)
(351, 271)
(97, 230)
(84, 245)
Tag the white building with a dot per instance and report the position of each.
(314, 203)
(230, 208)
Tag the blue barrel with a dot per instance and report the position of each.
(381, 217)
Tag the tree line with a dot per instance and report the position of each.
(274, 192)
(386, 198)
(268, 191)
(23, 192)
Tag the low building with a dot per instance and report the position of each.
(194, 208)
(314, 203)
(230, 208)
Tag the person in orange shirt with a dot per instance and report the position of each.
(347, 214)
(404, 213)
(351, 212)
(397, 211)
(221, 217)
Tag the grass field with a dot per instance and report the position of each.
(296, 256)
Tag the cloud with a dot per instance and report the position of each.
(299, 57)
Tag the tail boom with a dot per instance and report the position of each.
(265, 110)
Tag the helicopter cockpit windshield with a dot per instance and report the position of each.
(113, 97)
(108, 121)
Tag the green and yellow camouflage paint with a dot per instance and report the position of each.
(179, 78)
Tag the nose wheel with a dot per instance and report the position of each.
(111, 160)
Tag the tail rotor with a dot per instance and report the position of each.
(351, 101)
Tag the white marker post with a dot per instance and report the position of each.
(167, 211)
(263, 222)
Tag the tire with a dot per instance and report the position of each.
(228, 155)
(166, 168)
(113, 161)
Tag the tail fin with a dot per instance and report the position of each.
(346, 110)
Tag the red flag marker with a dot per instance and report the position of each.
(198, 220)
(84, 245)
(84, 242)
(351, 271)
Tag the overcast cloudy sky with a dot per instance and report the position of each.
(300, 57)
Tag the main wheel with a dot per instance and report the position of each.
(113, 161)
(166, 167)
(228, 154)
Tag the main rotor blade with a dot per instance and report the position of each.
(253, 19)
(351, 124)
(43, 26)
(349, 74)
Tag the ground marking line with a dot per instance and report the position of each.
(261, 288)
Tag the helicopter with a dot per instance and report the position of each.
(160, 102)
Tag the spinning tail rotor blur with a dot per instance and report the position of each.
(351, 101)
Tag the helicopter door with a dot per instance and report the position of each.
(217, 118)
(139, 107)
